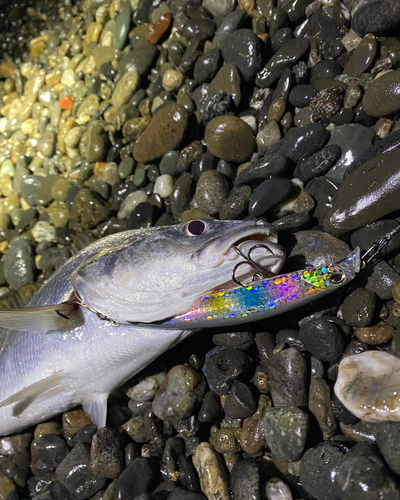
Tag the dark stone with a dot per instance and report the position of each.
(204, 162)
(268, 194)
(285, 58)
(323, 339)
(181, 494)
(139, 477)
(278, 20)
(232, 22)
(370, 17)
(390, 142)
(325, 70)
(287, 372)
(368, 194)
(363, 475)
(236, 205)
(143, 215)
(243, 49)
(381, 280)
(353, 139)
(140, 58)
(29, 187)
(318, 470)
(387, 439)
(264, 168)
(286, 431)
(280, 37)
(301, 95)
(207, 66)
(302, 142)
(265, 343)
(292, 223)
(52, 491)
(40, 480)
(283, 86)
(374, 232)
(181, 193)
(48, 451)
(239, 340)
(341, 412)
(358, 308)
(317, 164)
(240, 402)
(75, 474)
(106, 454)
(19, 268)
(210, 408)
(323, 191)
(245, 480)
(217, 104)
(200, 27)
(223, 366)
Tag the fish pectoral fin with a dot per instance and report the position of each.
(56, 317)
(96, 408)
(38, 391)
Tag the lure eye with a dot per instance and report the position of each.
(337, 278)
(196, 228)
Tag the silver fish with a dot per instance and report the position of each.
(67, 355)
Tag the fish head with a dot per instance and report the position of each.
(154, 274)
(333, 275)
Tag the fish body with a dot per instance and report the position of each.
(137, 277)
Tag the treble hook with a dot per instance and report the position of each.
(375, 249)
(248, 261)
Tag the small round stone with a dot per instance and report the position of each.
(286, 431)
(211, 192)
(229, 138)
(164, 185)
(172, 80)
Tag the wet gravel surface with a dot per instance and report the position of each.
(129, 114)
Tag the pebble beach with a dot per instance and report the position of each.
(129, 114)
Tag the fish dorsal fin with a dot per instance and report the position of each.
(38, 391)
(56, 317)
(96, 408)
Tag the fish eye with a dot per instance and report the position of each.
(196, 227)
(337, 278)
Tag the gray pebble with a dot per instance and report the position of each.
(358, 308)
(106, 457)
(18, 263)
(323, 339)
(211, 192)
(287, 371)
(381, 280)
(236, 205)
(286, 431)
(268, 194)
(223, 366)
(240, 402)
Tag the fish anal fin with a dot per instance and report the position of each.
(96, 408)
(56, 317)
(38, 391)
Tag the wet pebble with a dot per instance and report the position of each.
(387, 440)
(75, 474)
(106, 458)
(139, 477)
(369, 17)
(302, 142)
(319, 467)
(382, 98)
(181, 391)
(317, 164)
(211, 473)
(268, 194)
(319, 403)
(18, 263)
(363, 470)
(358, 308)
(381, 280)
(286, 431)
(240, 402)
(263, 168)
(287, 372)
(243, 49)
(223, 366)
(375, 335)
(211, 192)
(229, 138)
(164, 133)
(236, 204)
(323, 339)
(245, 480)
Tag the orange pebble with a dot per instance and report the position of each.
(66, 102)
(158, 29)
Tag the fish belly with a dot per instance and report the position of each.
(48, 373)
